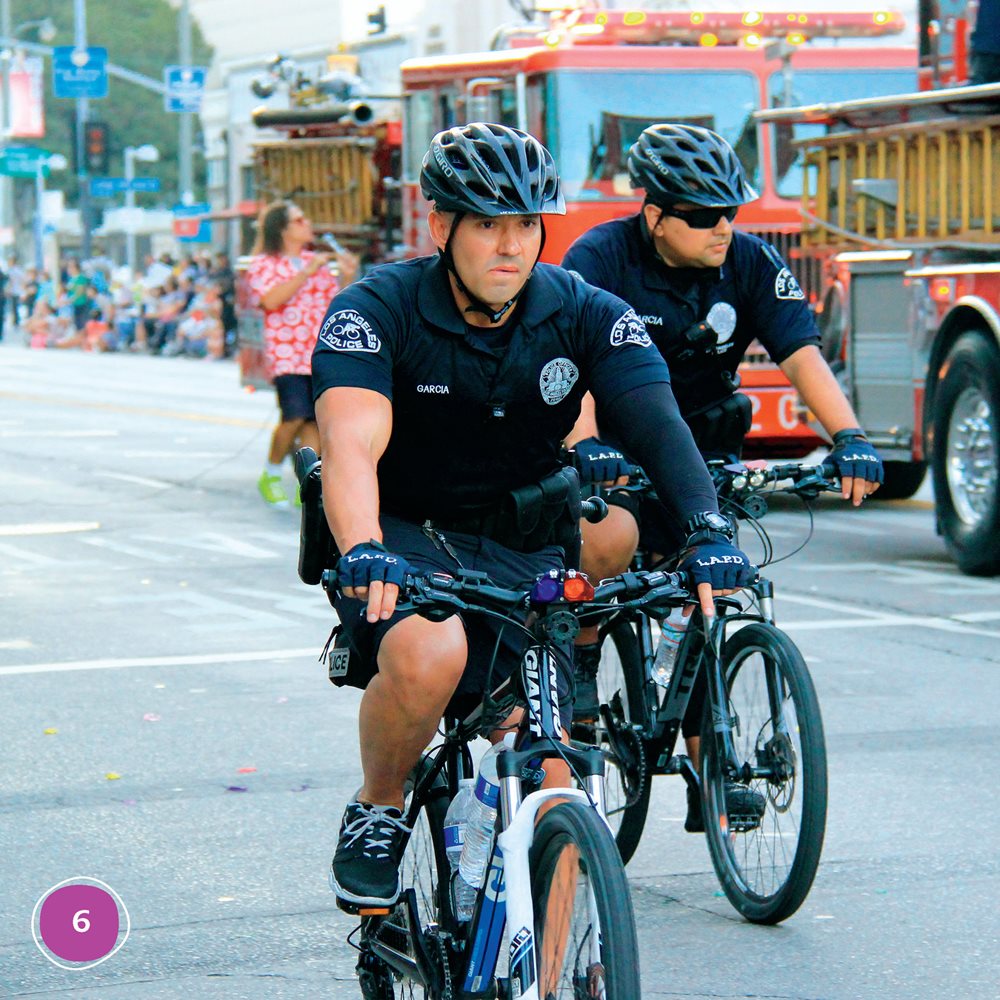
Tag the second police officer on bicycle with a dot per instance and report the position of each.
(705, 292)
(444, 388)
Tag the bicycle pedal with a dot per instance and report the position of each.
(362, 909)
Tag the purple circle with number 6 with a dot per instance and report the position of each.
(79, 923)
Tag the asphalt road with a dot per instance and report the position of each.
(165, 727)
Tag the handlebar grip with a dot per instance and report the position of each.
(593, 510)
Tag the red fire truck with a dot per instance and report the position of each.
(902, 213)
(588, 82)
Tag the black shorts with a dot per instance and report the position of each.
(658, 531)
(504, 566)
(295, 397)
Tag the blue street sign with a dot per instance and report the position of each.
(192, 230)
(185, 86)
(107, 187)
(80, 72)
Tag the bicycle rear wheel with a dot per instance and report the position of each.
(621, 687)
(766, 855)
(585, 939)
(424, 873)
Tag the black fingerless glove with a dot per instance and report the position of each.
(597, 462)
(854, 457)
(714, 559)
(369, 561)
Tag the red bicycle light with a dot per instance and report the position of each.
(578, 588)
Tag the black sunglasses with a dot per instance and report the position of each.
(702, 218)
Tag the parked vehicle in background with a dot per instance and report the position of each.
(588, 82)
(902, 215)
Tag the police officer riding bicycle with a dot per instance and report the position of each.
(444, 388)
(705, 292)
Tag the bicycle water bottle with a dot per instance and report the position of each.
(478, 834)
(672, 630)
(455, 822)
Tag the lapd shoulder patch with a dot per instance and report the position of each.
(786, 287)
(556, 380)
(629, 330)
(348, 330)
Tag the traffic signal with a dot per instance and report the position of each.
(376, 21)
(95, 148)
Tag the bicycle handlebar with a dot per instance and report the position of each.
(474, 591)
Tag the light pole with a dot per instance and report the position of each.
(54, 162)
(144, 154)
(46, 32)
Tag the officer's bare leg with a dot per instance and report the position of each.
(607, 550)
(420, 664)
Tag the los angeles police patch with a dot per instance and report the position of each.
(348, 330)
(786, 287)
(556, 380)
(629, 330)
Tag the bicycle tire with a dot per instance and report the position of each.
(425, 869)
(627, 778)
(572, 841)
(767, 868)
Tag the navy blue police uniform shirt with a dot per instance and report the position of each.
(471, 420)
(752, 296)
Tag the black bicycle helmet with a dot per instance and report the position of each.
(491, 170)
(684, 163)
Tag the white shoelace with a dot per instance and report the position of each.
(376, 827)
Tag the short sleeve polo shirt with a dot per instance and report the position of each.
(753, 295)
(471, 423)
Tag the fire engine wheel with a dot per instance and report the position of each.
(902, 480)
(966, 453)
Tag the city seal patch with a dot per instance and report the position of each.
(556, 380)
(348, 330)
(629, 330)
(786, 287)
(722, 319)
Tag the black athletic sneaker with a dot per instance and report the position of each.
(365, 868)
(744, 808)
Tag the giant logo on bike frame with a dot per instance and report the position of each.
(629, 330)
(348, 330)
(557, 379)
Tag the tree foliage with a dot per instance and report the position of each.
(142, 36)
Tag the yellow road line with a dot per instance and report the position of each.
(146, 411)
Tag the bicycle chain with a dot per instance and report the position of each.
(448, 993)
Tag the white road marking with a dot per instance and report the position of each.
(159, 483)
(60, 434)
(14, 554)
(909, 574)
(864, 618)
(129, 550)
(978, 616)
(159, 661)
(174, 454)
(15, 644)
(55, 528)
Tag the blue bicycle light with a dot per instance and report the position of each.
(547, 588)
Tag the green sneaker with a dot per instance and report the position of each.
(298, 496)
(271, 490)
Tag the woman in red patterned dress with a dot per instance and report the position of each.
(294, 287)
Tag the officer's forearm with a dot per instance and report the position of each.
(650, 427)
(354, 426)
(817, 385)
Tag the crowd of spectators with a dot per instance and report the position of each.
(170, 307)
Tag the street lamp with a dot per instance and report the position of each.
(144, 154)
(54, 162)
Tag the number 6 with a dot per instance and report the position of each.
(80, 923)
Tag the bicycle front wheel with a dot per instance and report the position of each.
(765, 825)
(621, 687)
(585, 939)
